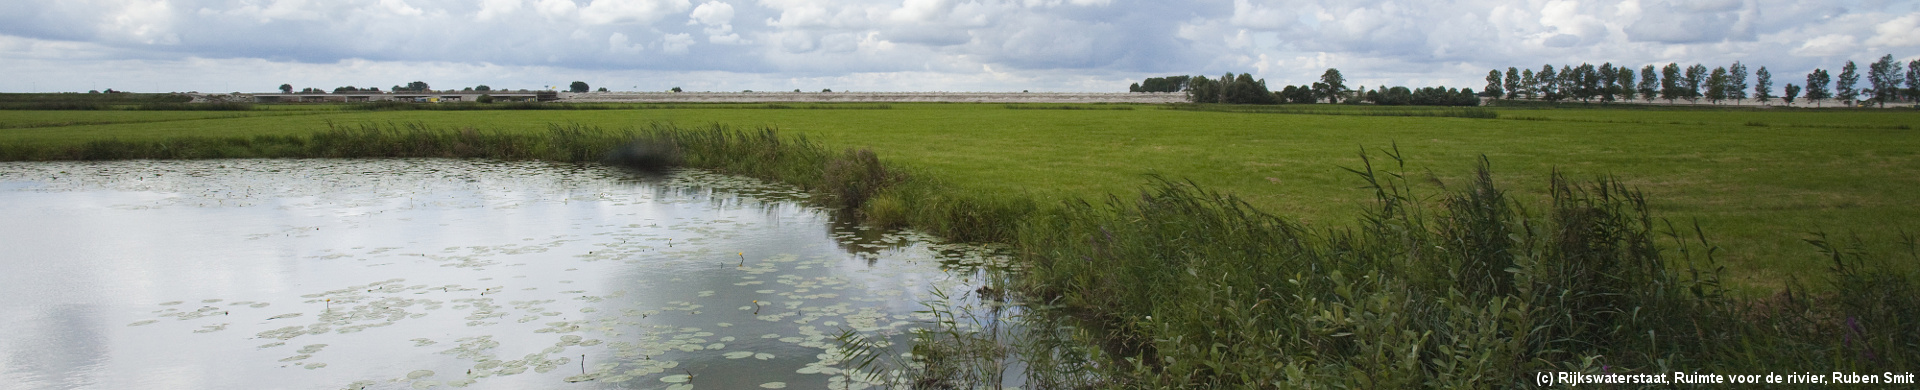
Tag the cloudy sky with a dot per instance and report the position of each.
(904, 45)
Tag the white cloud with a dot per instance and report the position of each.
(619, 43)
(1262, 16)
(1902, 31)
(630, 11)
(1698, 21)
(491, 10)
(718, 19)
(712, 13)
(675, 43)
(400, 7)
(1827, 46)
(144, 22)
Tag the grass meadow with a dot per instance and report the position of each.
(1758, 182)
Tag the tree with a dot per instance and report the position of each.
(1648, 81)
(1529, 83)
(675, 89)
(604, 89)
(1791, 92)
(1608, 82)
(484, 98)
(1569, 84)
(578, 87)
(1243, 89)
(1696, 75)
(1717, 85)
(1817, 86)
(1913, 80)
(1512, 83)
(1200, 89)
(417, 86)
(1625, 81)
(1670, 83)
(1335, 85)
(1162, 84)
(1493, 89)
(1885, 77)
(1737, 81)
(1763, 85)
(286, 88)
(1549, 83)
(483, 88)
(1849, 76)
(826, 90)
(1591, 82)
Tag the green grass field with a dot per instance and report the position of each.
(1758, 181)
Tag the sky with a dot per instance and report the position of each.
(905, 45)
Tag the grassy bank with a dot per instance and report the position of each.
(1438, 281)
(1758, 190)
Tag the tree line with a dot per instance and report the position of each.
(1888, 82)
(1330, 88)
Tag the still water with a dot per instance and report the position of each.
(429, 273)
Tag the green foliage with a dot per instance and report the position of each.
(1650, 84)
(417, 86)
(1844, 88)
(1425, 96)
(1817, 86)
(1885, 78)
(1493, 88)
(1167, 84)
(1736, 81)
(1717, 85)
(1230, 89)
(1332, 86)
(1690, 84)
(1763, 85)
(578, 87)
(1513, 83)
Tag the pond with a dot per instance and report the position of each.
(433, 273)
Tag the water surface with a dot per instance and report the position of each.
(424, 273)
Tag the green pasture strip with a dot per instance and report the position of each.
(1757, 191)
